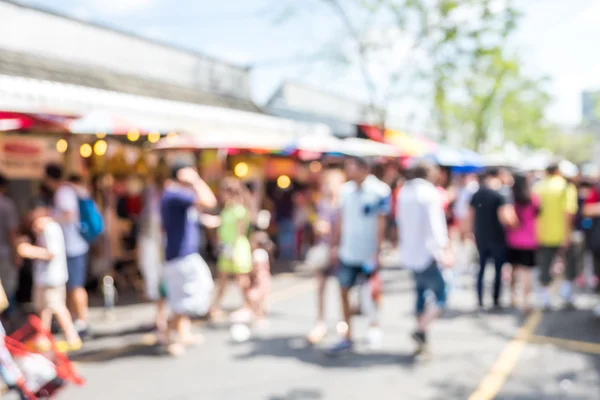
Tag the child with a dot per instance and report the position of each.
(260, 278)
(50, 275)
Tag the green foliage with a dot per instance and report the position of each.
(458, 48)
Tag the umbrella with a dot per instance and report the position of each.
(18, 121)
(114, 124)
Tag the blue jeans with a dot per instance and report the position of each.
(430, 279)
(286, 239)
(77, 268)
(498, 252)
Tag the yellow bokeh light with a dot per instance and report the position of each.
(133, 135)
(62, 145)
(315, 167)
(153, 137)
(100, 148)
(85, 150)
(101, 135)
(241, 170)
(284, 182)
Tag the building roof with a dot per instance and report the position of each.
(29, 66)
(106, 27)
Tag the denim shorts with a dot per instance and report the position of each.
(77, 268)
(349, 274)
(432, 280)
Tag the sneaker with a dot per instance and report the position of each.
(375, 338)
(343, 347)
(421, 340)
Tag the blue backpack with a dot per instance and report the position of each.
(91, 225)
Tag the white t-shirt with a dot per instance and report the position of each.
(66, 200)
(360, 209)
(51, 273)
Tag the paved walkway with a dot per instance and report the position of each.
(475, 357)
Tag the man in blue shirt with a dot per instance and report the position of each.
(188, 288)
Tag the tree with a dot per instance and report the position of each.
(454, 56)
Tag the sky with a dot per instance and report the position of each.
(556, 38)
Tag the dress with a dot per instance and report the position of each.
(236, 252)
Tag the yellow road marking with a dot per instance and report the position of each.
(504, 365)
(574, 345)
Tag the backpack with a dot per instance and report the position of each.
(91, 225)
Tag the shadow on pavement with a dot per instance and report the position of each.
(131, 351)
(299, 394)
(284, 347)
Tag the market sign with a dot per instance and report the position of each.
(22, 158)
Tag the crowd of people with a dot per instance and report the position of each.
(520, 221)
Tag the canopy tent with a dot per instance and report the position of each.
(153, 114)
(408, 146)
(359, 147)
(117, 124)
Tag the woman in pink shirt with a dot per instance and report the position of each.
(521, 240)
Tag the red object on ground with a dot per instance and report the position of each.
(17, 345)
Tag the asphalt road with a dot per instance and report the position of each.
(474, 356)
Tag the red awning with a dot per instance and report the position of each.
(11, 121)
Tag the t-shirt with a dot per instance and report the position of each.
(181, 222)
(523, 237)
(51, 273)
(557, 198)
(329, 213)
(66, 200)
(488, 229)
(360, 209)
(230, 220)
(463, 200)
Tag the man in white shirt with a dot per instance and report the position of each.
(358, 235)
(424, 244)
(66, 213)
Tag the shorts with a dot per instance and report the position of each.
(525, 258)
(349, 274)
(77, 268)
(53, 298)
(430, 280)
(189, 285)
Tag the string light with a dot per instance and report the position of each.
(62, 145)
(133, 135)
(153, 137)
(85, 150)
(284, 182)
(101, 135)
(241, 170)
(100, 148)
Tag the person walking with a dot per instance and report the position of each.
(50, 276)
(521, 239)
(187, 278)
(327, 219)
(66, 213)
(489, 214)
(358, 239)
(554, 227)
(424, 245)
